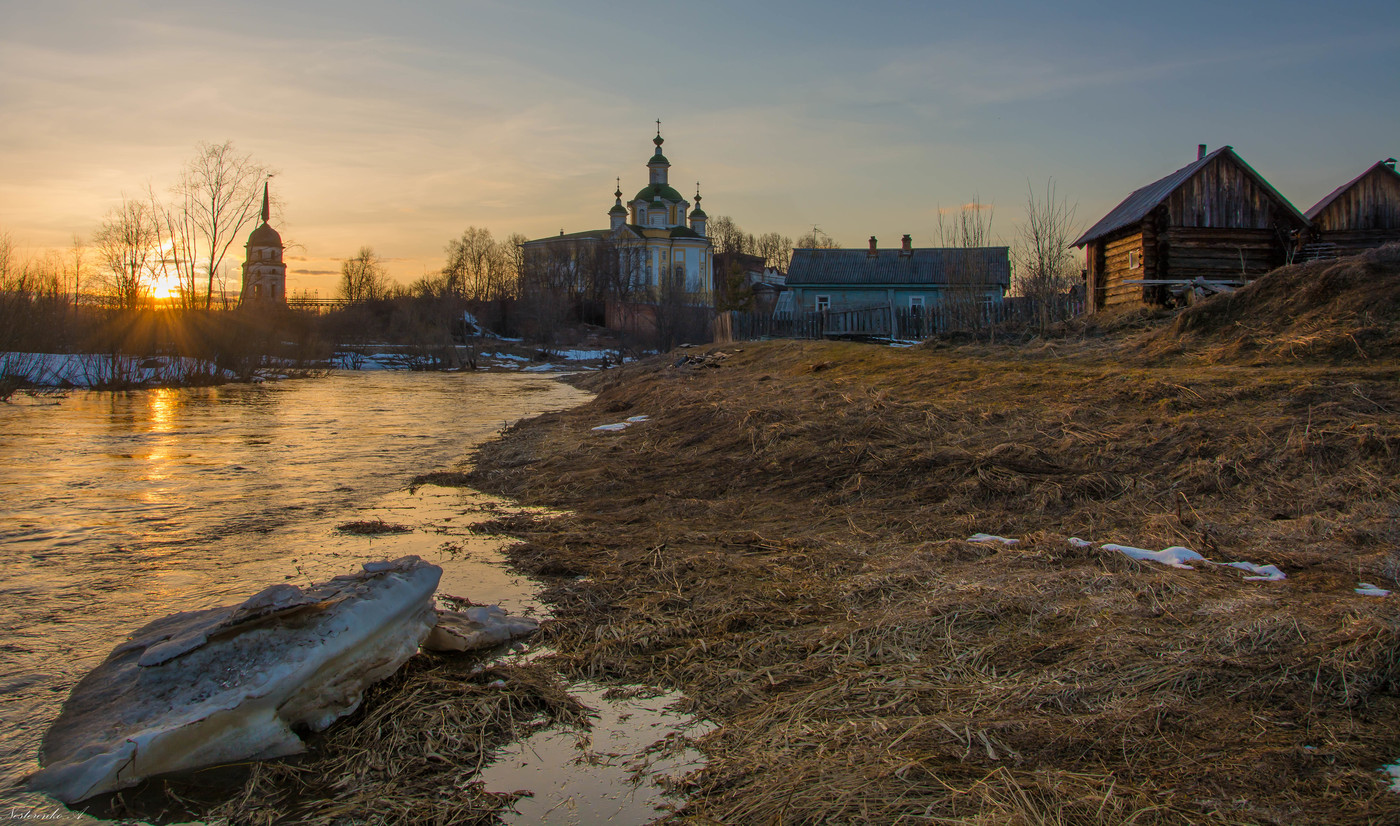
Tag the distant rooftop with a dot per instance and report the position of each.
(924, 265)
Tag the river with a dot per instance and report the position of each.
(117, 508)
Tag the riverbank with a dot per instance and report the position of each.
(784, 539)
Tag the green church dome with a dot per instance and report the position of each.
(652, 191)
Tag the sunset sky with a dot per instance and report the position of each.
(398, 125)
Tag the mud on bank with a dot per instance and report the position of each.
(782, 540)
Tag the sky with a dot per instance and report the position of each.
(399, 125)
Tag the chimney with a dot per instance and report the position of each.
(1389, 163)
(873, 251)
(906, 247)
(1200, 151)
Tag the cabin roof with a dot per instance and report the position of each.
(926, 265)
(1318, 207)
(1136, 206)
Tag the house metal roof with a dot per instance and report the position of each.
(927, 265)
(1325, 202)
(586, 235)
(1136, 206)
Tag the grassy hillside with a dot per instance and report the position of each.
(784, 540)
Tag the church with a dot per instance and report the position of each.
(264, 272)
(663, 253)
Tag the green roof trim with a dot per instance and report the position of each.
(658, 158)
(699, 213)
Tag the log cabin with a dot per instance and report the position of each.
(1215, 219)
(1358, 215)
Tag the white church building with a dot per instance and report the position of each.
(662, 248)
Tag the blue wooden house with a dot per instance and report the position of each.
(900, 279)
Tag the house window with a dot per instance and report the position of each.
(823, 303)
(916, 303)
(1134, 259)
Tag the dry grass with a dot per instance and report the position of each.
(372, 527)
(1346, 309)
(783, 543)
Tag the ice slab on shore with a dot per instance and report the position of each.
(199, 688)
(1366, 589)
(480, 626)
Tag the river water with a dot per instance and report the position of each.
(118, 508)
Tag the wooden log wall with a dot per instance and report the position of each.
(1219, 254)
(1346, 242)
(1116, 270)
(1221, 195)
(1372, 203)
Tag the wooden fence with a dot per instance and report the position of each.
(904, 324)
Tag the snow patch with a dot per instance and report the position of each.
(1080, 543)
(1366, 589)
(986, 537)
(1394, 771)
(1175, 556)
(616, 426)
(104, 370)
(1265, 573)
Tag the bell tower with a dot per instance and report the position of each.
(264, 272)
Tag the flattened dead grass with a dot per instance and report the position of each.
(783, 542)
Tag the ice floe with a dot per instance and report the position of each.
(199, 688)
(477, 627)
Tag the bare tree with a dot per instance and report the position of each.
(126, 242)
(362, 278)
(477, 266)
(219, 198)
(726, 236)
(816, 240)
(970, 278)
(76, 267)
(1045, 268)
(776, 250)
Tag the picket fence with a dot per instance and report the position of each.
(890, 323)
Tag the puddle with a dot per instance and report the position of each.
(619, 771)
